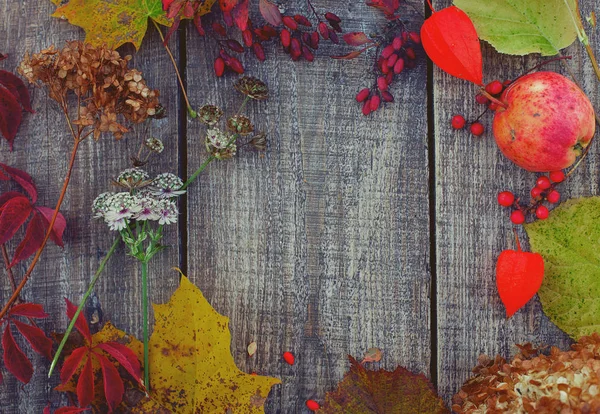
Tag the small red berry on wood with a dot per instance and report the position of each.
(517, 217)
(477, 129)
(312, 405)
(543, 182)
(494, 87)
(542, 212)
(289, 358)
(506, 198)
(458, 122)
(553, 197)
(557, 176)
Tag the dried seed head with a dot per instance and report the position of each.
(240, 124)
(154, 145)
(253, 88)
(259, 141)
(210, 114)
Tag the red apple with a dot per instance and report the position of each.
(546, 123)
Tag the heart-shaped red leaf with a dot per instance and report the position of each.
(14, 213)
(126, 357)
(17, 88)
(113, 384)
(240, 14)
(28, 310)
(81, 324)
(36, 338)
(15, 360)
(71, 363)
(227, 5)
(10, 115)
(270, 12)
(23, 179)
(85, 384)
(59, 227)
(357, 38)
(34, 236)
(450, 40)
(7, 196)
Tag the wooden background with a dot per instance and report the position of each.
(348, 233)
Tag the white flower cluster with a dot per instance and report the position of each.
(151, 203)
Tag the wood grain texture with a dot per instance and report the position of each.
(42, 148)
(321, 246)
(471, 229)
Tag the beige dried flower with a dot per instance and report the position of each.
(253, 88)
(240, 124)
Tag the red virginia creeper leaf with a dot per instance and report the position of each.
(15, 360)
(126, 357)
(59, 225)
(81, 324)
(227, 5)
(352, 55)
(451, 42)
(71, 363)
(23, 179)
(14, 83)
(36, 338)
(28, 310)
(10, 115)
(34, 235)
(240, 14)
(357, 39)
(113, 384)
(7, 196)
(14, 213)
(85, 384)
(270, 12)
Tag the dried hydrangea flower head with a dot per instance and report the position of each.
(561, 382)
(253, 88)
(107, 88)
(210, 114)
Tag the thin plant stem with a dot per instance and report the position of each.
(190, 110)
(9, 272)
(82, 303)
(145, 323)
(198, 171)
(491, 98)
(243, 105)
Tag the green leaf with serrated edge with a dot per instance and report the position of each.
(569, 241)
(520, 27)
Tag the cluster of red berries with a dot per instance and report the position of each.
(544, 190)
(397, 53)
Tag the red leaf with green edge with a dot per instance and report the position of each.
(352, 55)
(16, 85)
(38, 340)
(28, 310)
(15, 360)
(10, 115)
(34, 236)
(8, 195)
(270, 12)
(371, 392)
(357, 39)
(59, 225)
(450, 40)
(85, 384)
(81, 324)
(240, 14)
(71, 363)
(23, 179)
(125, 356)
(113, 384)
(227, 5)
(14, 214)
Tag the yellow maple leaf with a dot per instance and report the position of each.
(112, 22)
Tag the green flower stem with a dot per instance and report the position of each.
(145, 323)
(205, 164)
(243, 105)
(82, 303)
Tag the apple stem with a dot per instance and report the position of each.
(491, 98)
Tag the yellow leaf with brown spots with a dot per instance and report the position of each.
(112, 22)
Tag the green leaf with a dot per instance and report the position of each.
(520, 27)
(113, 22)
(569, 241)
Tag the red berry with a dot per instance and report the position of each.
(285, 37)
(269, 31)
(234, 45)
(542, 212)
(307, 54)
(314, 40)
(493, 106)
(543, 182)
(295, 48)
(414, 36)
(458, 122)
(333, 37)
(389, 78)
(381, 83)
(506, 198)
(384, 67)
(289, 358)
(332, 17)
(219, 29)
(517, 217)
(557, 176)
(477, 129)
(366, 109)
(494, 87)
(247, 37)
(312, 405)
(324, 30)
(506, 82)
(227, 18)
(386, 96)
(481, 99)
(553, 197)
(363, 95)
(410, 53)
(219, 66)
(399, 66)
(259, 51)
(536, 192)
(392, 60)
(397, 43)
(387, 51)
(302, 20)
(290, 22)
(236, 66)
(306, 38)
(375, 101)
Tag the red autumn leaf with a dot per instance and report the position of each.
(59, 225)
(7, 196)
(240, 14)
(23, 179)
(113, 384)
(34, 235)
(28, 310)
(10, 115)
(357, 38)
(389, 7)
(14, 213)
(352, 55)
(85, 384)
(70, 410)
(270, 12)
(450, 40)
(227, 5)
(14, 84)
(15, 360)
(38, 340)
(71, 363)
(81, 324)
(125, 356)
(172, 8)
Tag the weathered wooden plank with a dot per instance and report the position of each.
(41, 148)
(471, 229)
(321, 246)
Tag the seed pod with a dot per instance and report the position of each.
(324, 30)
(382, 83)
(375, 101)
(234, 45)
(404, 37)
(219, 66)
(295, 48)
(289, 358)
(384, 67)
(269, 31)
(259, 51)
(247, 37)
(414, 36)
(387, 51)
(285, 37)
(306, 38)
(392, 60)
(290, 22)
(397, 43)
(363, 95)
(312, 405)
(314, 40)
(219, 29)
(334, 37)
(366, 109)
(332, 17)
(387, 97)
(410, 53)
(399, 66)
(389, 78)
(302, 20)
(236, 65)
(307, 54)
